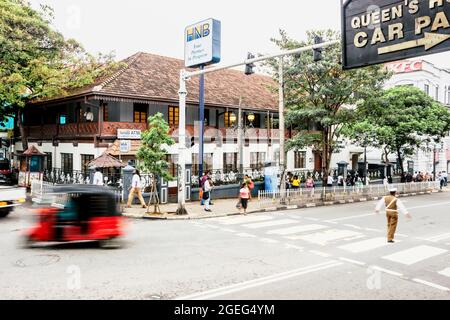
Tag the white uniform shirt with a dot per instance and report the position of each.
(98, 178)
(400, 206)
(136, 182)
(207, 186)
(330, 180)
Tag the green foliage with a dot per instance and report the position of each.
(400, 120)
(36, 61)
(152, 154)
(319, 95)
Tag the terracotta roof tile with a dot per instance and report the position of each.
(154, 77)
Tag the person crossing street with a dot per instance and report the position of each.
(393, 206)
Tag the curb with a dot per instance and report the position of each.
(274, 209)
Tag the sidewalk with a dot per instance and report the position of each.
(227, 207)
(221, 208)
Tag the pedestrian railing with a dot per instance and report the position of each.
(305, 196)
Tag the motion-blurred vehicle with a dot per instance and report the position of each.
(78, 213)
(5, 173)
(11, 197)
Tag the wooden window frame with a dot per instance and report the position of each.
(173, 115)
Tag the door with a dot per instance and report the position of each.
(317, 162)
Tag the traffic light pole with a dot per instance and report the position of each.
(182, 93)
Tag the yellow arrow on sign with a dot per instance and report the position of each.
(429, 41)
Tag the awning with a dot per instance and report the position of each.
(106, 161)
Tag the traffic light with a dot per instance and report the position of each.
(249, 67)
(317, 53)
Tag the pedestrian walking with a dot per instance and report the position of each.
(445, 176)
(330, 181)
(393, 206)
(136, 189)
(288, 181)
(441, 180)
(310, 185)
(250, 184)
(98, 177)
(340, 180)
(244, 196)
(207, 187)
(202, 182)
(295, 182)
(385, 182)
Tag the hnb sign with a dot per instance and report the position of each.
(389, 30)
(202, 43)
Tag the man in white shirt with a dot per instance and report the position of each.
(98, 177)
(136, 187)
(207, 187)
(393, 206)
(88, 115)
(330, 181)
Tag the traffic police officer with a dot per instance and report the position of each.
(393, 206)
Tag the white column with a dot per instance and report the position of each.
(182, 93)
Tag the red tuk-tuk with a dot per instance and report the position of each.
(83, 213)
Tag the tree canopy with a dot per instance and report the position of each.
(320, 95)
(36, 61)
(400, 120)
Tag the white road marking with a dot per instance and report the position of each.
(260, 281)
(350, 217)
(320, 253)
(312, 219)
(227, 230)
(268, 240)
(445, 272)
(324, 237)
(297, 229)
(374, 230)
(398, 274)
(414, 255)
(353, 261)
(352, 226)
(438, 237)
(240, 220)
(273, 223)
(246, 235)
(431, 284)
(366, 245)
(293, 246)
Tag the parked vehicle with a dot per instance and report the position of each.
(79, 213)
(11, 197)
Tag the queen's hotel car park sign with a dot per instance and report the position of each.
(202, 43)
(378, 31)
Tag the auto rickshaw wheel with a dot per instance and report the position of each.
(112, 243)
(4, 212)
(27, 242)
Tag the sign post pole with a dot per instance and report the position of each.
(202, 124)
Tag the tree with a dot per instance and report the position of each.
(152, 154)
(401, 120)
(319, 95)
(36, 62)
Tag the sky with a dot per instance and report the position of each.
(155, 26)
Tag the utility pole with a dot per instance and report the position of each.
(281, 128)
(182, 93)
(240, 136)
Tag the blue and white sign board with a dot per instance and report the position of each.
(125, 146)
(202, 43)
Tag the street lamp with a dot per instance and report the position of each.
(251, 118)
(233, 118)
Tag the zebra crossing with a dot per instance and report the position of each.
(346, 242)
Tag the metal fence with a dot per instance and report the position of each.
(304, 196)
(59, 176)
(225, 177)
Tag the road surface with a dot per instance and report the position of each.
(336, 252)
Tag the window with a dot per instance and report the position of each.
(85, 159)
(300, 159)
(427, 89)
(66, 162)
(140, 114)
(207, 163)
(105, 112)
(174, 115)
(257, 160)
(227, 119)
(48, 161)
(172, 159)
(206, 117)
(62, 119)
(448, 95)
(230, 161)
